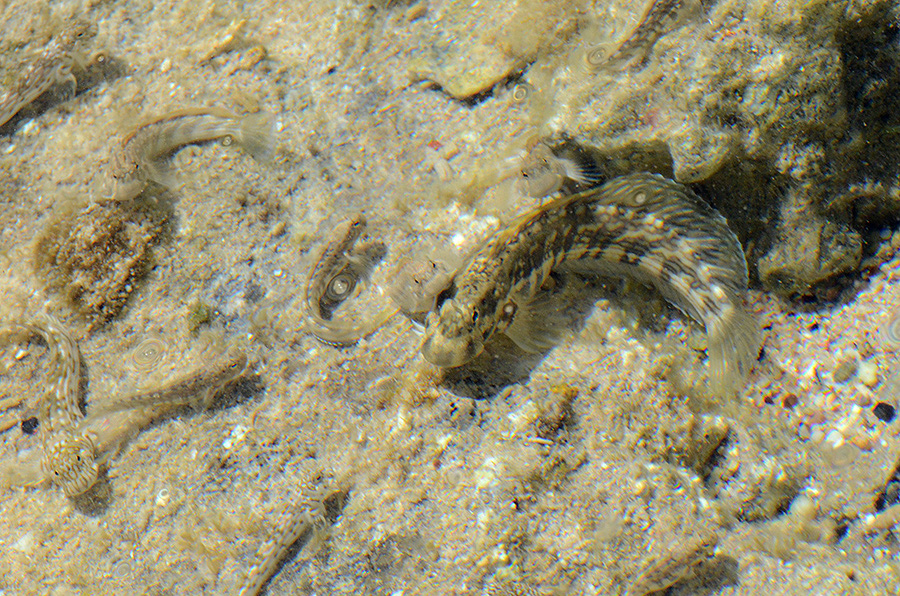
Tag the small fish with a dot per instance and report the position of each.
(67, 457)
(196, 389)
(143, 154)
(293, 519)
(643, 226)
(566, 168)
(335, 278)
(658, 16)
(72, 454)
(52, 67)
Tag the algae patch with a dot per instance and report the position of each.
(95, 258)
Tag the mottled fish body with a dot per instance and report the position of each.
(195, 389)
(641, 225)
(657, 19)
(67, 457)
(144, 153)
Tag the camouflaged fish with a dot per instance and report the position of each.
(144, 154)
(52, 67)
(643, 226)
(66, 457)
(74, 446)
(335, 278)
(565, 168)
(656, 20)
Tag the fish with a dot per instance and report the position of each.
(642, 226)
(143, 155)
(566, 168)
(657, 18)
(74, 445)
(335, 278)
(67, 457)
(53, 66)
(196, 388)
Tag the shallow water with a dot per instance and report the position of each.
(600, 466)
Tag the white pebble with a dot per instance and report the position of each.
(25, 543)
(237, 433)
(868, 373)
(834, 438)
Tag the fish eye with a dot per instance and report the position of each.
(340, 286)
(474, 316)
(509, 311)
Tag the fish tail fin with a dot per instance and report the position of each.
(257, 136)
(734, 340)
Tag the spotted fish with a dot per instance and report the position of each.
(656, 20)
(67, 457)
(644, 226)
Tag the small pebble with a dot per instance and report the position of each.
(162, 497)
(29, 425)
(845, 370)
(884, 412)
(25, 543)
(868, 374)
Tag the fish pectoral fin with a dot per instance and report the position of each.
(538, 324)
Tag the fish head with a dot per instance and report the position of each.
(541, 174)
(451, 337)
(70, 464)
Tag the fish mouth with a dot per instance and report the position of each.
(449, 352)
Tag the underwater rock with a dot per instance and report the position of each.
(95, 257)
(809, 253)
(729, 89)
(468, 47)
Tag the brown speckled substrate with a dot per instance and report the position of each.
(571, 473)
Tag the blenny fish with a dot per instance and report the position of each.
(52, 67)
(657, 17)
(195, 389)
(566, 168)
(72, 443)
(143, 155)
(67, 458)
(335, 278)
(645, 226)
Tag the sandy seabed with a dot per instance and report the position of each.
(592, 469)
